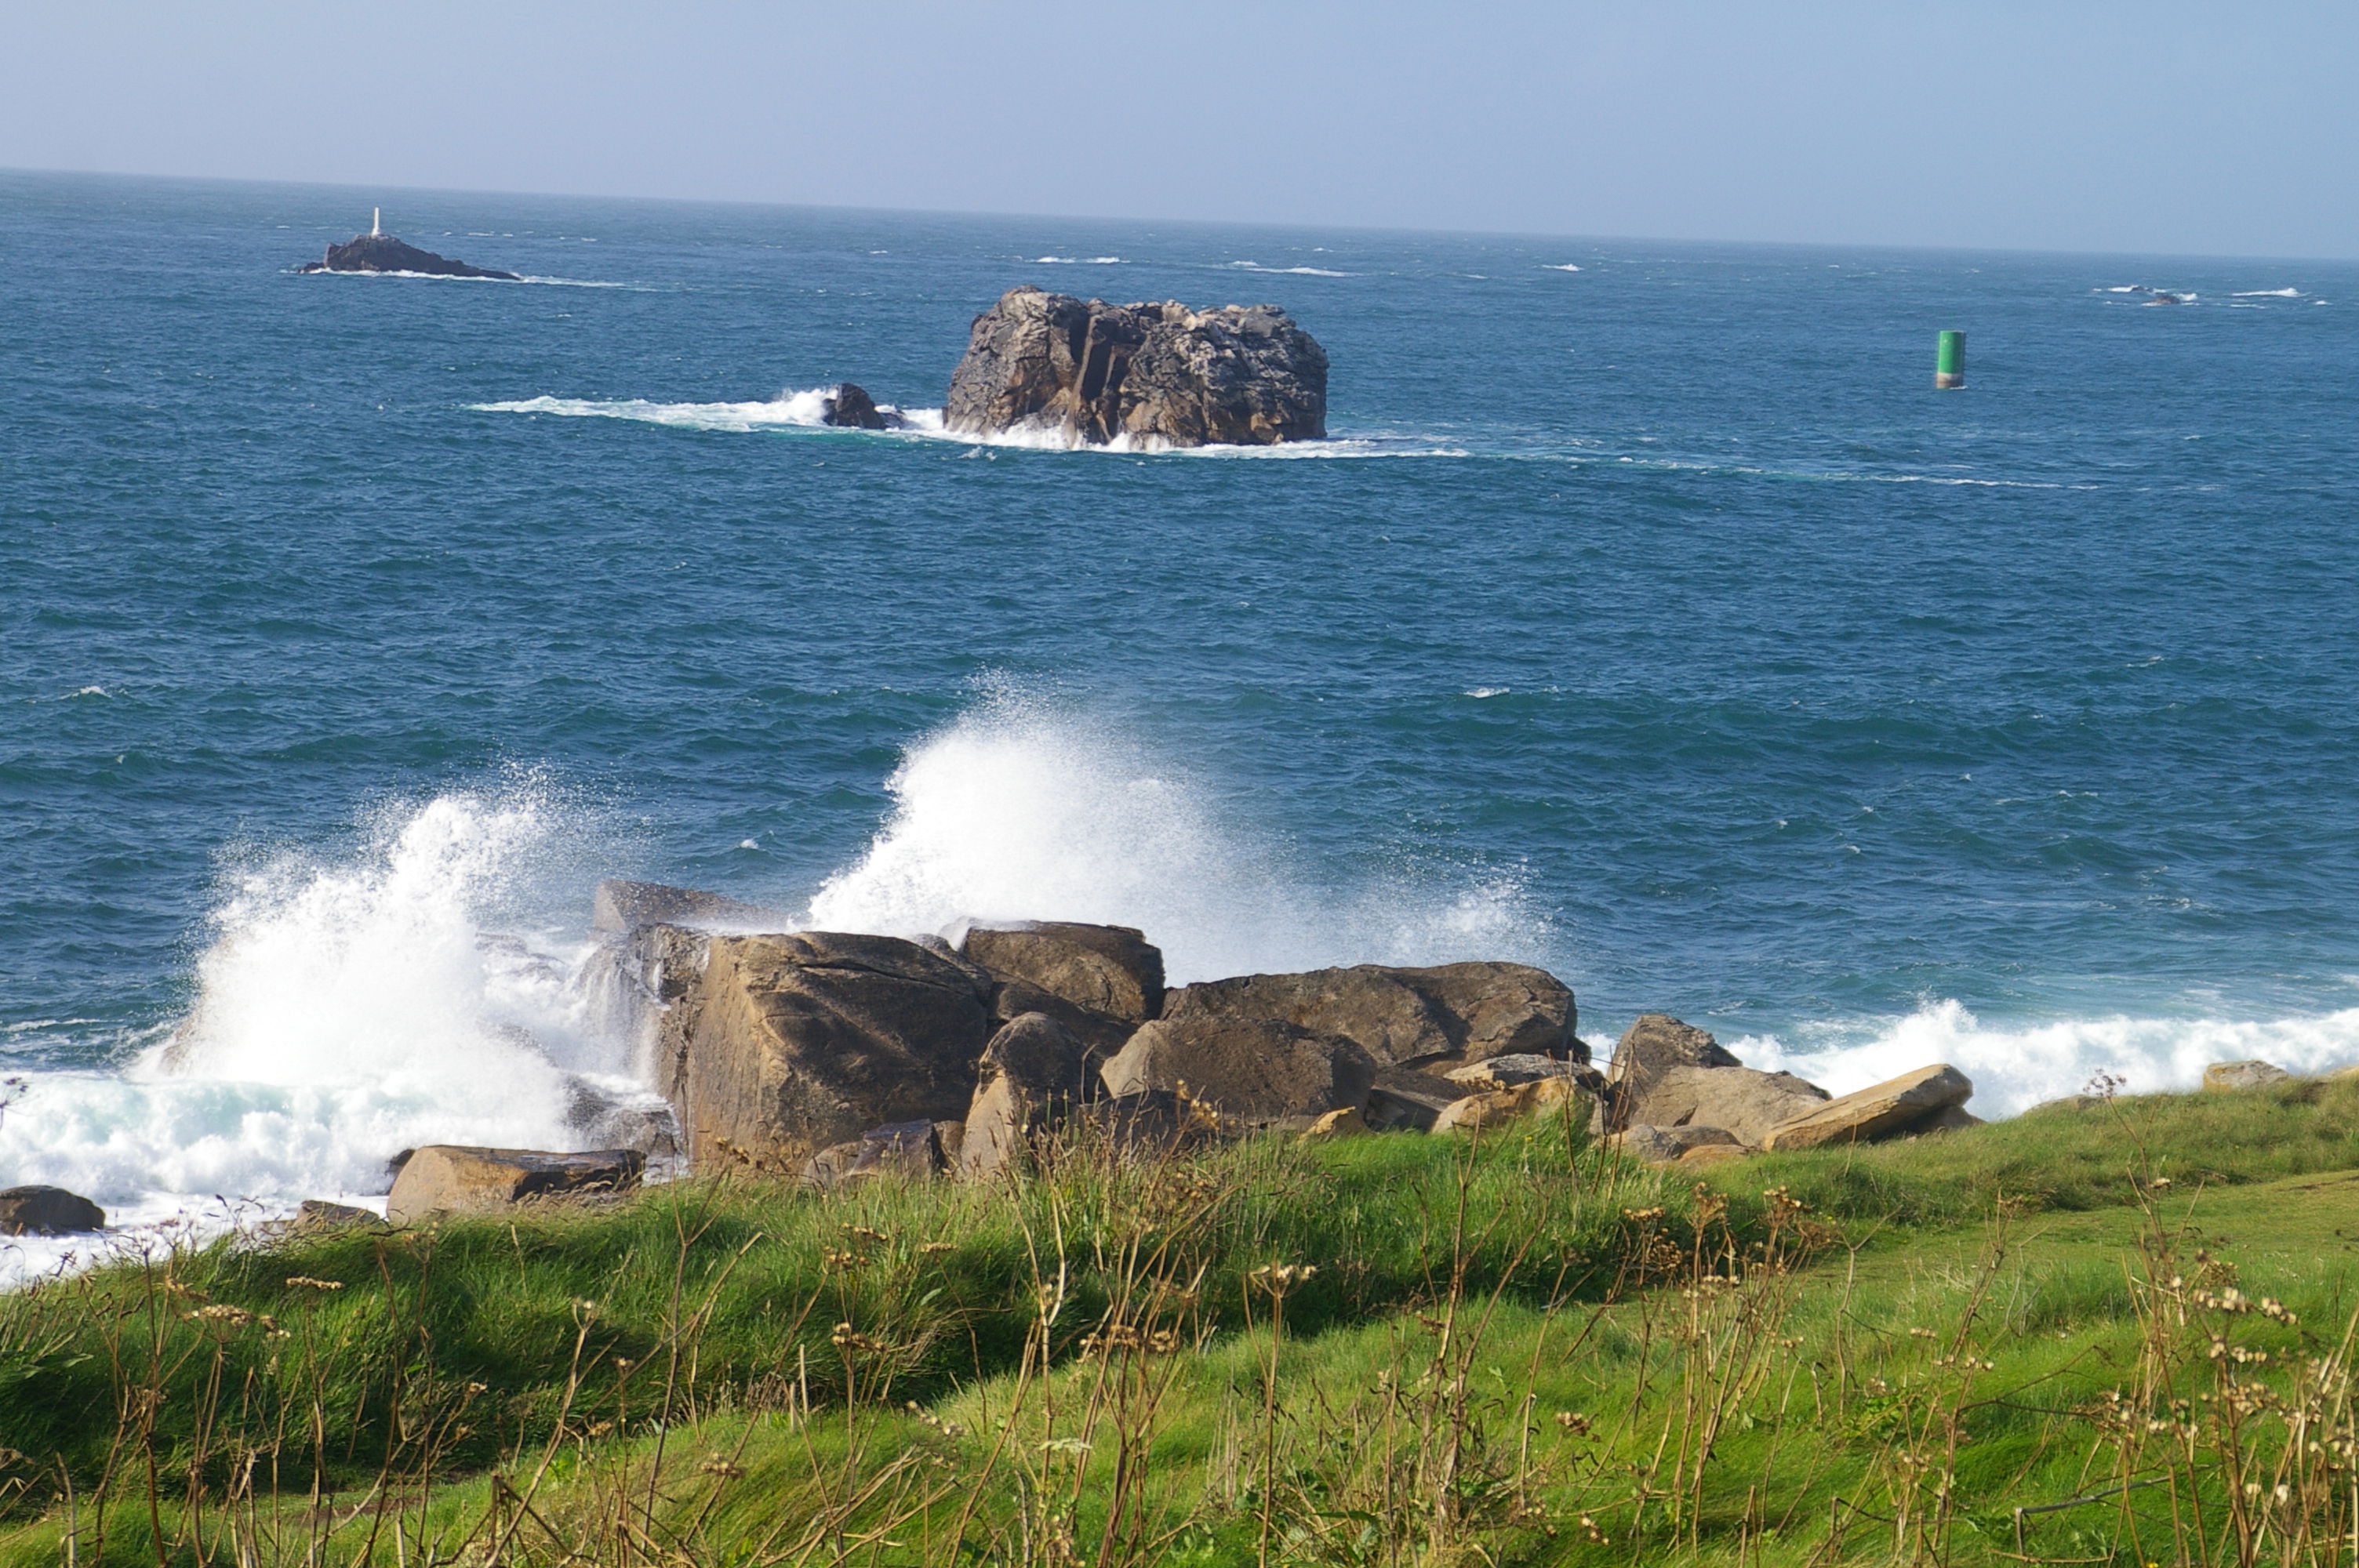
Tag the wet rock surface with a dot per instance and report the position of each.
(1157, 373)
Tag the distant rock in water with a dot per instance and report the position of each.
(1160, 374)
(378, 252)
(850, 406)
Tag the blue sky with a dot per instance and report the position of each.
(2067, 125)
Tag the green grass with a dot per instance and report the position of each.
(668, 1378)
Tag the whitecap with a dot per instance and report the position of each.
(1559, 266)
(2269, 294)
(2017, 1066)
(1078, 261)
(1479, 692)
(1296, 271)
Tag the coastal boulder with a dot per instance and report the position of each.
(906, 1150)
(1253, 1070)
(1495, 1107)
(1112, 970)
(1032, 1074)
(37, 1210)
(1403, 1017)
(451, 1178)
(1897, 1105)
(1667, 1074)
(1157, 373)
(1658, 1042)
(1747, 1102)
(2252, 1075)
(782, 1046)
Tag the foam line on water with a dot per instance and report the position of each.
(2017, 1066)
(1026, 809)
(795, 410)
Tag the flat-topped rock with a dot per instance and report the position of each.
(2250, 1075)
(383, 252)
(37, 1210)
(1895, 1105)
(1403, 1016)
(1157, 373)
(1112, 970)
(454, 1178)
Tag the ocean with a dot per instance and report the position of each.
(1648, 616)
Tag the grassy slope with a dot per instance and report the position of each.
(1410, 1417)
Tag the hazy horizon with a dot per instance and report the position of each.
(386, 195)
(2112, 128)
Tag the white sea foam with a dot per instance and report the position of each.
(1025, 809)
(447, 277)
(2016, 1068)
(1297, 271)
(1078, 261)
(2269, 294)
(793, 410)
(345, 1010)
(1559, 266)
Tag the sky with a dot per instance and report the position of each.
(2050, 125)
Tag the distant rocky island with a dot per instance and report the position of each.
(377, 250)
(1157, 374)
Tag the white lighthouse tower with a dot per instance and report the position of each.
(377, 221)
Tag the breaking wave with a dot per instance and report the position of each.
(2014, 1067)
(1026, 809)
(345, 1010)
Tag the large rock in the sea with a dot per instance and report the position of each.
(1157, 373)
(1112, 970)
(1404, 1016)
(850, 407)
(48, 1211)
(783, 1046)
(1032, 1074)
(452, 1178)
(383, 252)
(1895, 1105)
(1254, 1071)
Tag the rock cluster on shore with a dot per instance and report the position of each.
(1155, 374)
(835, 1056)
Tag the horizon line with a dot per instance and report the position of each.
(773, 204)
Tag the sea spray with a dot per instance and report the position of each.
(345, 1010)
(1024, 808)
(2017, 1066)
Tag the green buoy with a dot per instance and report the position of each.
(1950, 360)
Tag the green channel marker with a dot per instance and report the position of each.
(1950, 360)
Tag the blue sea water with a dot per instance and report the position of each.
(1649, 616)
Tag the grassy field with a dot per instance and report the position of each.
(2112, 1332)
